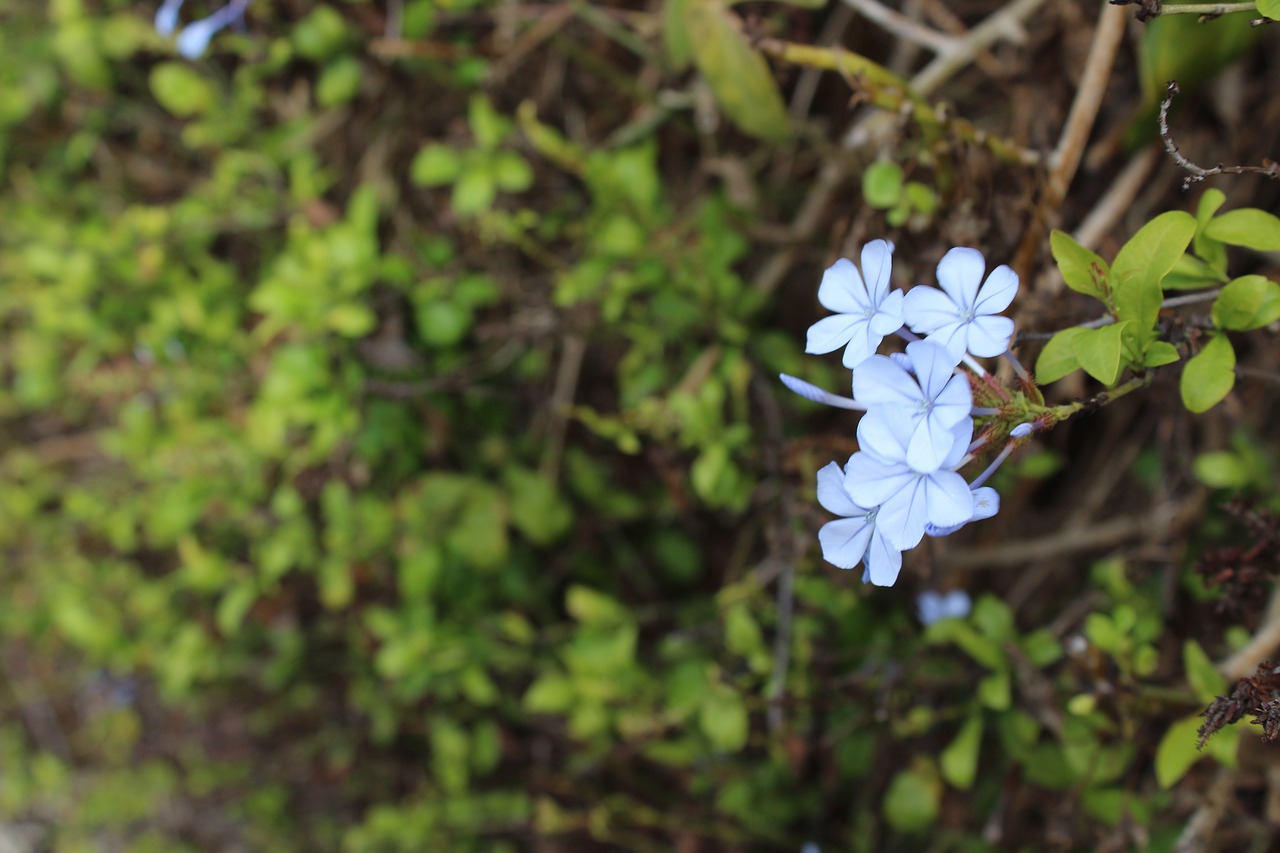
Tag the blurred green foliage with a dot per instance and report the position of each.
(382, 471)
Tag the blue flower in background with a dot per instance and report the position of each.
(865, 309)
(960, 315)
(936, 606)
(986, 503)
(194, 38)
(856, 538)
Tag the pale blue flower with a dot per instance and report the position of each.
(933, 398)
(936, 606)
(866, 310)
(855, 538)
(909, 500)
(961, 316)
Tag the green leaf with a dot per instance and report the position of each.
(675, 33)
(994, 618)
(1209, 375)
(339, 82)
(1248, 302)
(1269, 8)
(921, 197)
(1211, 251)
(737, 73)
(1222, 469)
(994, 691)
(1160, 353)
(473, 193)
(592, 607)
(435, 165)
(1058, 358)
(1098, 351)
(1248, 227)
(911, 803)
(537, 510)
(1082, 270)
(1202, 675)
(959, 761)
(1142, 263)
(882, 184)
(487, 126)
(320, 34)
(181, 90)
(1177, 751)
(551, 693)
(512, 172)
(1191, 273)
(723, 719)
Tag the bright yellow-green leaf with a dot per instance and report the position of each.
(1248, 302)
(1177, 751)
(959, 761)
(1082, 270)
(181, 90)
(1058, 358)
(1098, 351)
(1209, 375)
(1248, 227)
(1142, 263)
(1160, 353)
(1270, 8)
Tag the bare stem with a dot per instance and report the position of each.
(1269, 167)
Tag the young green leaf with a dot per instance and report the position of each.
(959, 761)
(1248, 302)
(1209, 375)
(1177, 751)
(1098, 351)
(675, 33)
(1082, 270)
(1248, 227)
(912, 801)
(1191, 273)
(882, 184)
(1159, 354)
(736, 72)
(1202, 675)
(1142, 263)
(1212, 252)
(1269, 8)
(1058, 358)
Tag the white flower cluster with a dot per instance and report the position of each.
(904, 481)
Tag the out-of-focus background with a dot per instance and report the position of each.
(392, 456)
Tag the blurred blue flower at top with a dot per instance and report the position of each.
(194, 38)
(167, 17)
(936, 606)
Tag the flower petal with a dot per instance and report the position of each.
(986, 503)
(883, 432)
(962, 435)
(933, 365)
(888, 317)
(948, 499)
(904, 514)
(862, 344)
(989, 336)
(884, 561)
(881, 380)
(954, 402)
(870, 482)
(831, 333)
(842, 289)
(831, 493)
(844, 541)
(926, 308)
(997, 291)
(877, 262)
(929, 446)
(960, 274)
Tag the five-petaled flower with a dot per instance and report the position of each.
(855, 538)
(866, 310)
(961, 316)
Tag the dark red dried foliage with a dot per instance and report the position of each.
(1259, 694)
(1242, 570)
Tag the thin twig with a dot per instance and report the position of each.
(900, 25)
(1262, 646)
(1269, 168)
(1107, 319)
(1198, 833)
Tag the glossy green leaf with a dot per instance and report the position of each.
(1058, 358)
(1248, 302)
(1202, 675)
(1082, 270)
(1269, 8)
(1098, 351)
(737, 73)
(1209, 375)
(959, 761)
(1142, 263)
(1191, 273)
(1248, 227)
